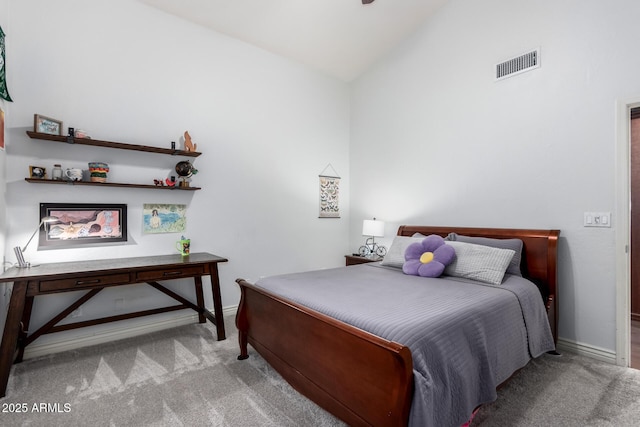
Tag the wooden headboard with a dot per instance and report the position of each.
(539, 255)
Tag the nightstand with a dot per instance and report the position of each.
(354, 259)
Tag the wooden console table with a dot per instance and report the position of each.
(93, 276)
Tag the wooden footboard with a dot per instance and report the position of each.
(359, 377)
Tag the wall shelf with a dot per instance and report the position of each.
(109, 184)
(111, 144)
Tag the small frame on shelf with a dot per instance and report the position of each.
(43, 124)
(37, 172)
(80, 224)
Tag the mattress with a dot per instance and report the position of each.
(465, 337)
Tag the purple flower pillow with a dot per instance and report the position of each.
(428, 258)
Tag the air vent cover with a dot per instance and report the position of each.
(518, 65)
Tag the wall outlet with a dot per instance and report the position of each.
(597, 219)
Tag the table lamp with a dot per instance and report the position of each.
(374, 229)
(19, 251)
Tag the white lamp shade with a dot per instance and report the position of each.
(373, 228)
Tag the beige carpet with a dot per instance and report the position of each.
(568, 391)
(177, 377)
(184, 377)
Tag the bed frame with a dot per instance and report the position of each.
(357, 376)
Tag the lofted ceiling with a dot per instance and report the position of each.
(341, 38)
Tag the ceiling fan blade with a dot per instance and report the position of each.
(367, 1)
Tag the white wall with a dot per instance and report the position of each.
(4, 292)
(436, 141)
(126, 72)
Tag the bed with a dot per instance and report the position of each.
(374, 370)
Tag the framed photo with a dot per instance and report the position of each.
(162, 218)
(81, 224)
(42, 124)
(37, 172)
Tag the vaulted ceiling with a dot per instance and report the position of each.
(339, 37)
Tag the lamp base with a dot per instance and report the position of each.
(20, 257)
(27, 265)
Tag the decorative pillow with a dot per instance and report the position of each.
(479, 262)
(395, 254)
(428, 258)
(513, 244)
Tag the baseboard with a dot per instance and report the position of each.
(117, 332)
(601, 354)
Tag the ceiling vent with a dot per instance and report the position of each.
(518, 65)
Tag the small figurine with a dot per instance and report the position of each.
(188, 145)
(158, 183)
(170, 182)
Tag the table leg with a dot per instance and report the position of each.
(11, 333)
(24, 330)
(217, 301)
(199, 297)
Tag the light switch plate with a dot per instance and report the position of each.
(597, 219)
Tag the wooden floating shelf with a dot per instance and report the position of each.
(110, 144)
(109, 184)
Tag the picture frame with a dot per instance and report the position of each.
(37, 172)
(163, 218)
(80, 224)
(43, 124)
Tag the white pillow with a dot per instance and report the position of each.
(395, 254)
(478, 262)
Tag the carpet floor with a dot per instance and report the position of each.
(184, 377)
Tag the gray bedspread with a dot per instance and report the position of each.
(465, 337)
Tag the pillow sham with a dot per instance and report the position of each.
(479, 262)
(513, 244)
(395, 254)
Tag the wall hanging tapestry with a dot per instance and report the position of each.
(4, 92)
(329, 194)
(159, 218)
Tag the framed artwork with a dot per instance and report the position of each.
(42, 124)
(161, 218)
(37, 172)
(83, 223)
